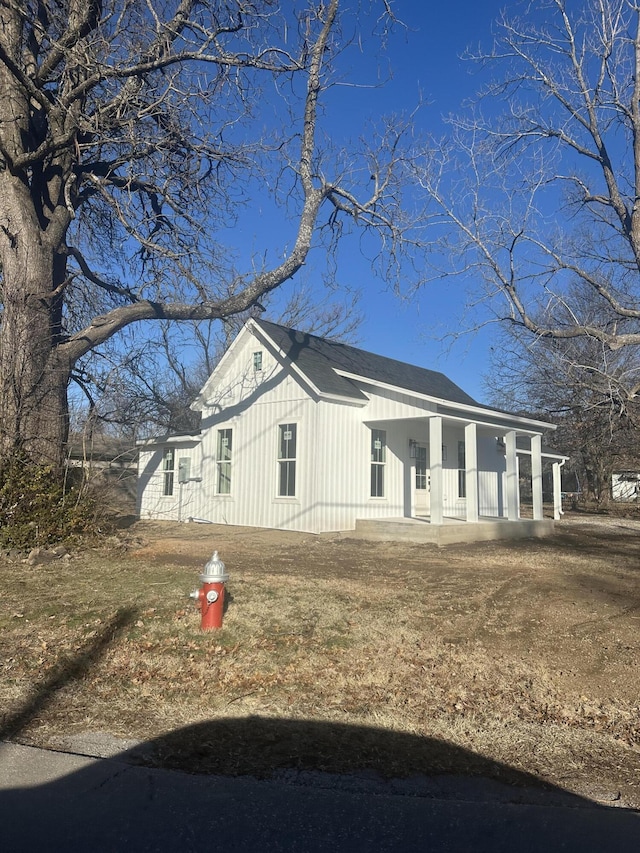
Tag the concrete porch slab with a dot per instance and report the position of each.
(452, 531)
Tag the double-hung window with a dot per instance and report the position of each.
(287, 460)
(378, 458)
(225, 446)
(168, 467)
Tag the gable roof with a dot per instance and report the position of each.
(319, 358)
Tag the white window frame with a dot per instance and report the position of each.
(287, 462)
(168, 471)
(224, 461)
(378, 456)
(257, 361)
(462, 470)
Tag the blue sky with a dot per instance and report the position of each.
(425, 62)
(428, 61)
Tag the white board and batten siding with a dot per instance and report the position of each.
(167, 477)
(333, 470)
(252, 405)
(260, 404)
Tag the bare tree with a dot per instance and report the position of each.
(129, 132)
(576, 382)
(151, 389)
(537, 190)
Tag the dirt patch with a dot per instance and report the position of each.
(522, 654)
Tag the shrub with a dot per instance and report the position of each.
(40, 506)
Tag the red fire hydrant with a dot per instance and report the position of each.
(210, 596)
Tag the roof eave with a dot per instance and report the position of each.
(158, 441)
(478, 410)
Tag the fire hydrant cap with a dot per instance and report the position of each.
(214, 571)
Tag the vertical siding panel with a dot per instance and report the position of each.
(152, 502)
(336, 451)
(147, 500)
(454, 506)
(488, 493)
(357, 460)
(344, 448)
(491, 464)
(255, 498)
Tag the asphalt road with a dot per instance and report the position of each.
(56, 801)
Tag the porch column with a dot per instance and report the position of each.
(435, 464)
(471, 471)
(512, 476)
(536, 476)
(557, 490)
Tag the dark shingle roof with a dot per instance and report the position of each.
(318, 358)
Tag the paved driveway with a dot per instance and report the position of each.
(64, 802)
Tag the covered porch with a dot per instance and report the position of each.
(461, 478)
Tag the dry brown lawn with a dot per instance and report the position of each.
(495, 658)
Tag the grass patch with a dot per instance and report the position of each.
(514, 660)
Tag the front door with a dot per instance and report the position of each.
(422, 483)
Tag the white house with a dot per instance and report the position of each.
(302, 433)
(625, 486)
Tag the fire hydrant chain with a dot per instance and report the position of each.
(210, 597)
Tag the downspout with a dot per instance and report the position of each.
(557, 499)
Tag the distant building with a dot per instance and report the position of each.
(625, 486)
(114, 461)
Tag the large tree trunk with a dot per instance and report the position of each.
(33, 222)
(33, 377)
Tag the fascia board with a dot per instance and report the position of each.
(476, 410)
(349, 401)
(150, 442)
(546, 454)
(162, 441)
(493, 425)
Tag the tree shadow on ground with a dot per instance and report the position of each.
(69, 668)
(621, 543)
